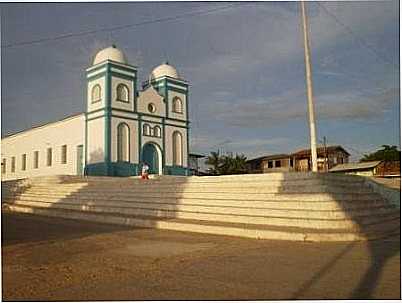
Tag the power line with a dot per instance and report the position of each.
(116, 28)
(356, 36)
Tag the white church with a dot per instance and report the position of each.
(121, 128)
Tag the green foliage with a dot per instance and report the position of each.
(227, 164)
(387, 153)
(214, 159)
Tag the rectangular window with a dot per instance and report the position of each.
(3, 166)
(278, 163)
(270, 164)
(49, 157)
(63, 154)
(36, 159)
(13, 164)
(291, 162)
(24, 162)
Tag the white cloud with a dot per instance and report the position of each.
(291, 105)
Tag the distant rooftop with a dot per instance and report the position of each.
(270, 157)
(355, 166)
(320, 151)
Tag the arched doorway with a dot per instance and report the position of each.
(152, 156)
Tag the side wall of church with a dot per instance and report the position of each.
(45, 140)
(96, 141)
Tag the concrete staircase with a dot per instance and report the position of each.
(287, 206)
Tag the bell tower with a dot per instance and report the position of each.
(110, 124)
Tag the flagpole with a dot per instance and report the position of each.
(309, 84)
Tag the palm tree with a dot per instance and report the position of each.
(233, 165)
(214, 159)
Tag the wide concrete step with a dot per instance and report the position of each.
(271, 176)
(230, 218)
(231, 188)
(125, 182)
(229, 229)
(213, 195)
(266, 210)
(330, 205)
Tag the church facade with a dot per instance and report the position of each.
(123, 126)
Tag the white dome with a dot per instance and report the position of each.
(164, 70)
(110, 53)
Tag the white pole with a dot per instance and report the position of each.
(309, 84)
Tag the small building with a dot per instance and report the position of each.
(370, 168)
(271, 163)
(193, 163)
(327, 157)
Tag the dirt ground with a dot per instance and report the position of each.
(389, 182)
(56, 259)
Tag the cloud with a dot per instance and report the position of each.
(249, 146)
(267, 36)
(262, 112)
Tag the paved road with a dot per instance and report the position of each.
(56, 259)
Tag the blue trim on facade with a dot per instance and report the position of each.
(174, 89)
(139, 140)
(124, 169)
(101, 75)
(176, 170)
(188, 133)
(122, 76)
(128, 68)
(96, 110)
(122, 117)
(108, 102)
(164, 145)
(125, 111)
(166, 97)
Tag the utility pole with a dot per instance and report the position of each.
(309, 85)
(325, 155)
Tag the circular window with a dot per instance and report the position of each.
(151, 107)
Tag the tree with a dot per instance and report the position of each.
(214, 159)
(227, 164)
(387, 153)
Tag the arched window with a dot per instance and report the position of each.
(146, 130)
(96, 94)
(177, 105)
(157, 131)
(123, 142)
(122, 93)
(177, 149)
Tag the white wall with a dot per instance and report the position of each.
(70, 132)
(150, 95)
(133, 125)
(169, 144)
(96, 141)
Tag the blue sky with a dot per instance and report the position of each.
(244, 62)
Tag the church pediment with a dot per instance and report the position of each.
(150, 102)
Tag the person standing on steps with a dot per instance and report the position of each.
(144, 171)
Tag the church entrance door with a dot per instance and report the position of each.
(150, 156)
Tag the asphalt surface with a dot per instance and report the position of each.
(56, 259)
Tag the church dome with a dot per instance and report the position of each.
(164, 70)
(111, 53)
